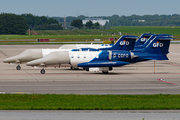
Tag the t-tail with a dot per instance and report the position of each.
(142, 39)
(126, 42)
(141, 47)
(158, 48)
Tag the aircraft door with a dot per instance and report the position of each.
(110, 55)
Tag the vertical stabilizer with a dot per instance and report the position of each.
(126, 42)
(142, 39)
(159, 45)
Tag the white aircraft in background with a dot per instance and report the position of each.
(77, 46)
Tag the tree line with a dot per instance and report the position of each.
(89, 24)
(12, 24)
(133, 20)
(145, 20)
(19, 24)
(42, 22)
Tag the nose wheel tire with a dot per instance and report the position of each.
(42, 71)
(18, 67)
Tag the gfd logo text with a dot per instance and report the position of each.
(157, 44)
(124, 42)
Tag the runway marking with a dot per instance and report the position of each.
(111, 73)
(175, 64)
(175, 53)
(19, 92)
(163, 80)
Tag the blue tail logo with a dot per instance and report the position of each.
(158, 44)
(143, 38)
(124, 42)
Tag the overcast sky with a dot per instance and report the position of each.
(61, 8)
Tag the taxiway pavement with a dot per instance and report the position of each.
(89, 115)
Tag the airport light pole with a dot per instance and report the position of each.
(29, 32)
(154, 66)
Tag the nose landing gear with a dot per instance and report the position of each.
(43, 71)
(18, 67)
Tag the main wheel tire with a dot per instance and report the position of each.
(43, 71)
(18, 67)
(110, 68)
(76, 68)
(87, 69)
(105, 72)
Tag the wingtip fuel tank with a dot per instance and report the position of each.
(52, 58)
(25, 56)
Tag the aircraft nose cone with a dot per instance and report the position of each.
(35, 62)
(6, 60)
(11, 60)
(51, 59)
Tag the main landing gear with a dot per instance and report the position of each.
(43, 71)
(74, 68)
(105, 72)
(18, 67)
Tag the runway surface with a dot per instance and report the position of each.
(90, 115)
(131, 79)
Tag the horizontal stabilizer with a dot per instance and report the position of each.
(103, 64)
(162, 57)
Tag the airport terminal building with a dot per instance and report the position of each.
(94, 20)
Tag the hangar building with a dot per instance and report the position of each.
(94, 20)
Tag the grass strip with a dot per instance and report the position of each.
(59, 37)
(88, 102)
(85, 34)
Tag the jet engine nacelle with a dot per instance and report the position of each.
(57, 58)
(120, 55)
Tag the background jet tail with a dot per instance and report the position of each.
(159, 45)
(141, 47)
(142, 39)
(126, 42)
